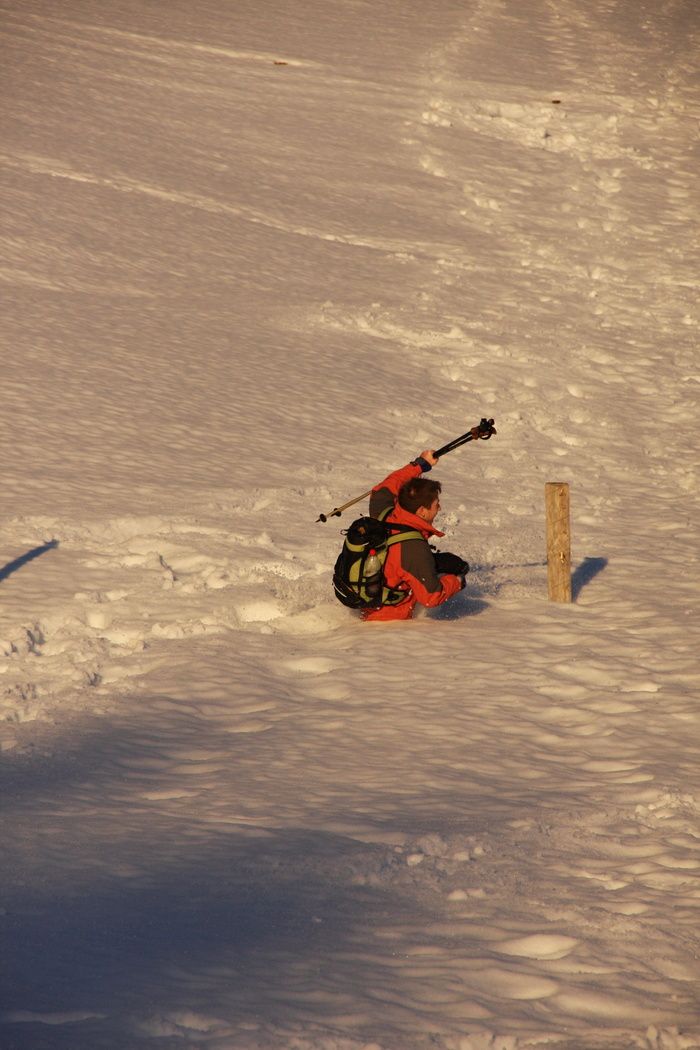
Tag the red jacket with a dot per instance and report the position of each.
(409, 565)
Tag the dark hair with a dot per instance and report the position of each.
(418, 492)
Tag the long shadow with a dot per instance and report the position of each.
(509, 565)
(248, 925)
(480, 585)
(28, 775)
(584, 573)
(144, 923)
(225, 929)
(24, 559)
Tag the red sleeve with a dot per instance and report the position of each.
(399, 477)
(449, 585)
(384, 494)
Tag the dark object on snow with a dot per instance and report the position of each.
(484, 430)
(452, 563)
(12, 566)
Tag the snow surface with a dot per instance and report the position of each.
(255, 255)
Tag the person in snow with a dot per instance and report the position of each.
(411, 565)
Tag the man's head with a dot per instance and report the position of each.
(421, 496)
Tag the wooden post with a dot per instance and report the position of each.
(556, 495)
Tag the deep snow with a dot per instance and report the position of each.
(256, 255)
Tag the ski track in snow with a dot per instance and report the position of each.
(236, 818)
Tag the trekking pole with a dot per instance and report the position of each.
(336, 512)
(483, 431)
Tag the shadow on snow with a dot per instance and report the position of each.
(136, 914)
(241, 929)
(584, 573)
(24, 559)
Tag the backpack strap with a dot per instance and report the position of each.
(403, 532)
(394, 595)
(408, 534)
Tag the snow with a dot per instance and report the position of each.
(254, 257)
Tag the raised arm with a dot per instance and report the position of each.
(384, 494)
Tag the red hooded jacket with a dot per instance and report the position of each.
(409, 565)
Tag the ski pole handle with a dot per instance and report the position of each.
(484, 431)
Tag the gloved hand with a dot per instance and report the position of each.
(452, 563)
(425, 461)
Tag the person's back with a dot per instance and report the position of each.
(411, 566)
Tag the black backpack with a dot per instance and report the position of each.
(358, 577)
